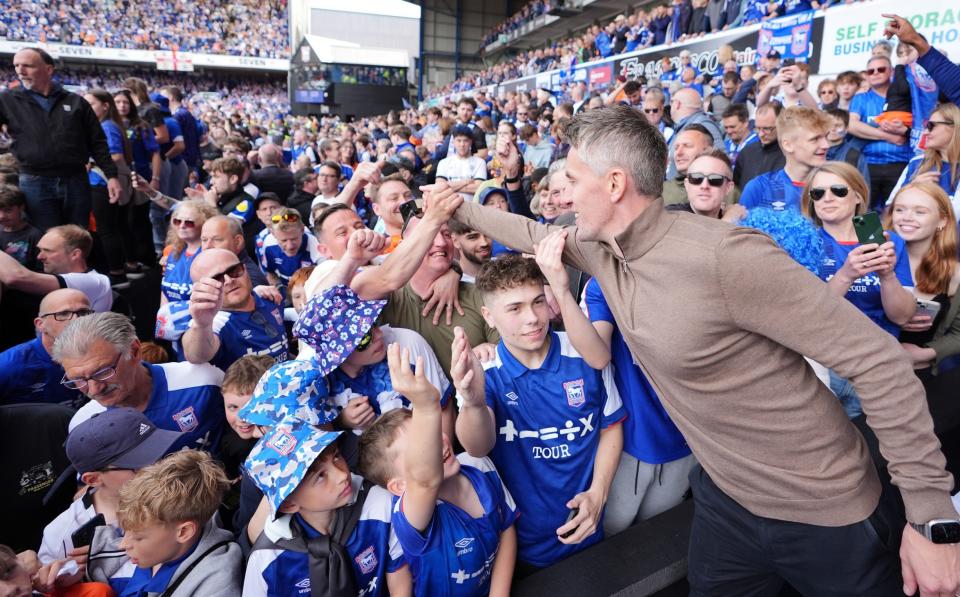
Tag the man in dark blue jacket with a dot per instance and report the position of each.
(55, 133)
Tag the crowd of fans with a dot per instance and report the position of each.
(243, 28)
(433, 352)
(529, 12)
(635, 30)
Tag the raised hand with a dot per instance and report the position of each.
(411, 384)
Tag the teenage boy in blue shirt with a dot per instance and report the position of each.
(288, 247)
(548, 419)
(453, 516)
(802, 134)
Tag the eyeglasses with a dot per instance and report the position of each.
(99, 375)
(932, 124)
(714, 180)
(766, 129)
(364, 342)
(234, 271)
(651, 110)
(329, 176)
(68, 315)
(837, 190)
(879, 70)
(287, 217)
(177, 222)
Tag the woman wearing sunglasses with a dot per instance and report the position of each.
(940, 161)
(922, 215)
(872, 277)
(183, 245)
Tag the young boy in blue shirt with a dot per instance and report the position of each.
(547, 418)
(328, 531)
(453, 516)
(166, 513)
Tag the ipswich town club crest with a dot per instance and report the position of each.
(186, 419)
(367, 560)
(575, 394)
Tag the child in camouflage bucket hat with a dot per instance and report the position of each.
(328, 529)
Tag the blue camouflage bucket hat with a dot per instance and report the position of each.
(290, 389)
(280, 460)
(333, 324)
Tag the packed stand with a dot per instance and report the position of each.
(244, 28)
(677, 21)
(529, 12)
(442, 352)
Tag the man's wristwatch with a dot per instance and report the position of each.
(940, 531)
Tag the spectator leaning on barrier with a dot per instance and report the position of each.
(744, 451)
(53, 175)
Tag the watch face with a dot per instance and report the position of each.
(945, 532)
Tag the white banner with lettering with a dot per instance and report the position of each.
(850, 31)
(149, 56)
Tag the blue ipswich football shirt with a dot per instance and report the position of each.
(241, 333)
(548, 424)
(28, 374)
(176, 284)
(278, 263)
(868, 105)
(949, 186)
(454, 555)
(114, 144)
(144, 582)
(734, 149)
(864, 293)
(774, 190)
(185, 398)
(373, 381)
(374, 551)
(648, 433)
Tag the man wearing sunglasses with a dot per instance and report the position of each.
(27, 373)
(687, 145)
(228, 320)
(288, 247)
(887, 150)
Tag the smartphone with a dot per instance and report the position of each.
(409, 210)
(83, 536)
(869, 229)
(930, 308)
(571, 516)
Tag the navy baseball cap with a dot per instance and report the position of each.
(120, 438)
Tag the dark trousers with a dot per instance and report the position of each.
(56, 200)
(883, 177)
(736, 553)
(113, 229)
(139, 224)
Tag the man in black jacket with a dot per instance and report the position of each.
(765, 156)
(272, 176)
(307, 187)
(55, 133)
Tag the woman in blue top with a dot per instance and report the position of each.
(871, 276)
(183, 238)
(940, 161)
(146, 162)
(112, 229)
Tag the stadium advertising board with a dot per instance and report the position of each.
(850, 31)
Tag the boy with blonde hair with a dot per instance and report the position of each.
(166, 512)
(288, 247)
(802, 134)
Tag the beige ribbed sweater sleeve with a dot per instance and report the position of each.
(798, 312)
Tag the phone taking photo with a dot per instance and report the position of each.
(869, 229)
(83, 536)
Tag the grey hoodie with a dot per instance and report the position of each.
(220, 573)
